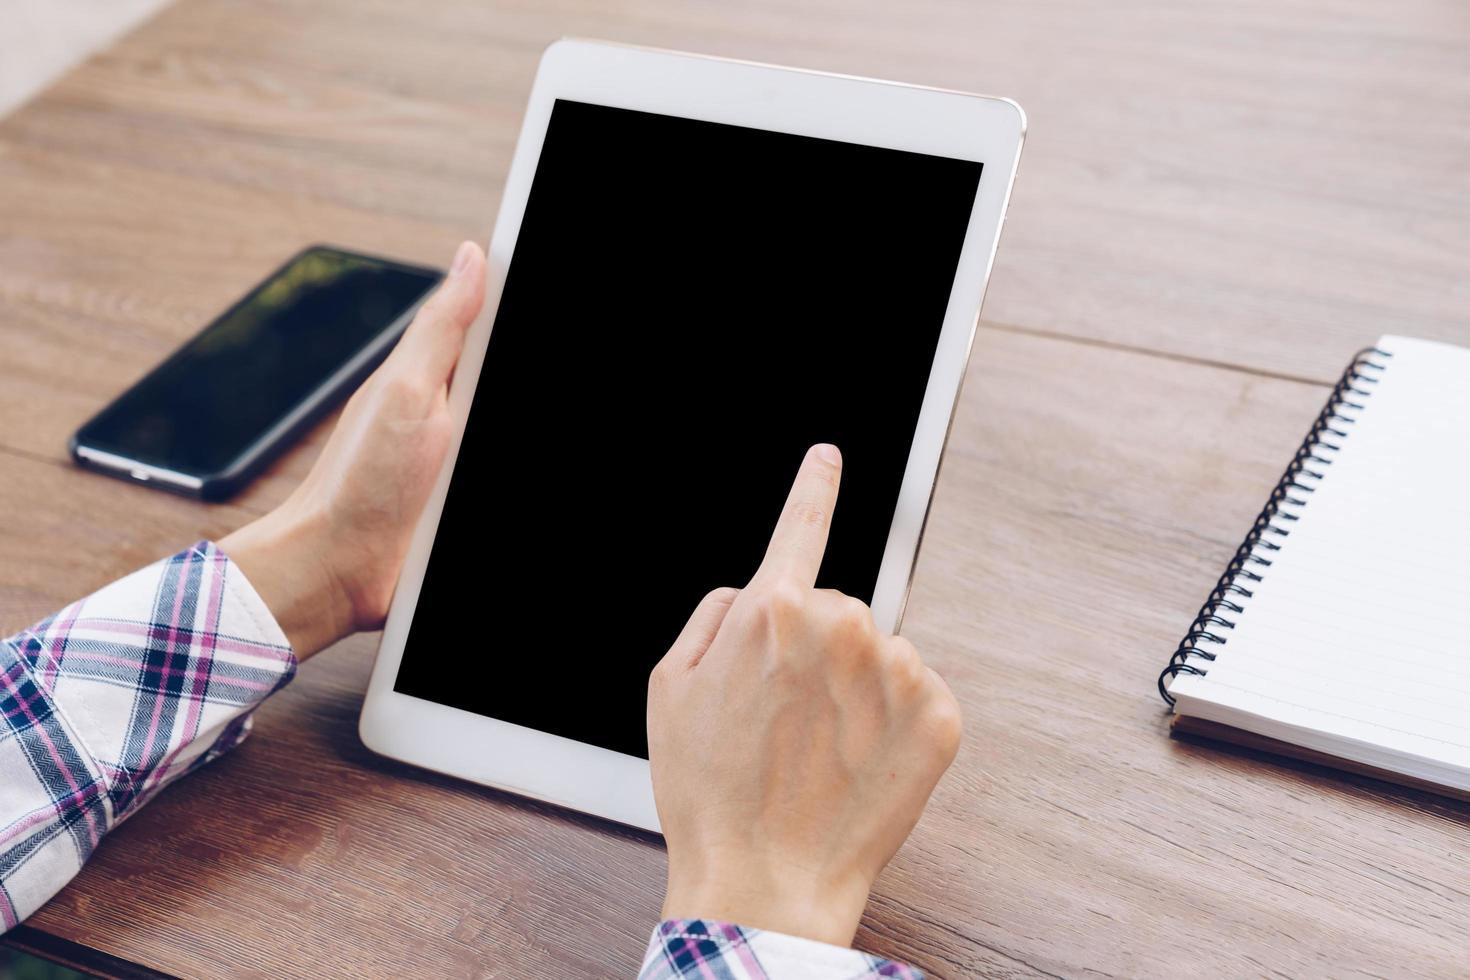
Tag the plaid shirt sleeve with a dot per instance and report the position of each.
(116, 696)
(696, 948)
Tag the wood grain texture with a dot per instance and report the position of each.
(1251, 183)
(1264, 187)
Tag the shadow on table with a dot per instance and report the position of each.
(1326, 779)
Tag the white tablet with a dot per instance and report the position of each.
(700, 268)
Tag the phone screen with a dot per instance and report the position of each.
(219, 395)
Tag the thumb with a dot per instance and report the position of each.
(688, 650)
(432, 343)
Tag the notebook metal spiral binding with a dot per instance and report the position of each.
(1234, 588)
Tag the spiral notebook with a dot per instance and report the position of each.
(1340, 631)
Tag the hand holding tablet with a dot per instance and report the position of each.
(793, 744)
(326, 559)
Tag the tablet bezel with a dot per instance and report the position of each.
(585, 777)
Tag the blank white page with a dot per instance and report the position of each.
(1356, 641)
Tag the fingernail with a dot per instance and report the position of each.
(828, 453)
(462, 258)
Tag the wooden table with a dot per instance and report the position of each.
(1219, 201)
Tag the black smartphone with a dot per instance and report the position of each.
(229, 401)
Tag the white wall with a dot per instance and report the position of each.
(41, 39)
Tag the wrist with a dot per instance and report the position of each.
(788, 902)
(286, 557)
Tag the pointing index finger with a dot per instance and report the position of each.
(800, 538)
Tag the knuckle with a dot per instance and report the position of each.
(809, 513)
(907, 667)
(662, 674)
(723, 596)
(945, 722)
(404, 388)
(855, 612)
(786, 599)
(852, 622)
(779, 605)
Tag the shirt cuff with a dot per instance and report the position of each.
(158, 671)
(114, 697)
(702, 948)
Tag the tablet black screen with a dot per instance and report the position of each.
(690, 305)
